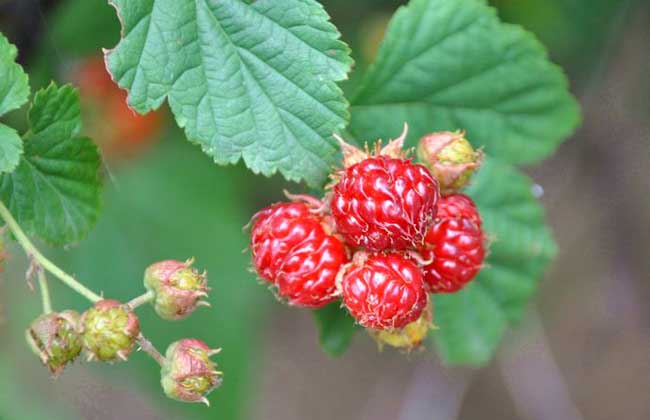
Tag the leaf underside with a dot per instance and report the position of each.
(253, 81)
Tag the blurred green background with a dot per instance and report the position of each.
(582, 353)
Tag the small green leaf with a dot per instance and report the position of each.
(336, 328)
(451, 64)
(54, 192)
(14, 90)
(14, 84)
(253, 81)
(11, 147)
(472, 321)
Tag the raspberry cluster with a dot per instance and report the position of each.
(386, 234)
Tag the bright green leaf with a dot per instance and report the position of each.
(14, 90)
(336, 328)
(451, 64)
(472, 322)
(244, 80)
(11, 147)
(55, 191)
(14, 84)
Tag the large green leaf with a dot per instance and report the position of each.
(473, 320)
(14, 90)
(244, 79)
(451, 64)
(54, 192)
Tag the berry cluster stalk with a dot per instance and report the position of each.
(43, 263)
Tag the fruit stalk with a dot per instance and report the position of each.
(142, 299)
(147, 347)
(41, 260)
(45, 292)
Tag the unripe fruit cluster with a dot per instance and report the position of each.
(381, 239)
(110, 330)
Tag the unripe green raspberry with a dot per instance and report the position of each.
(450, 158)
(188, 374)
(177, 288)
(109, 331)
(55, 339)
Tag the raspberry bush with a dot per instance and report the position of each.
(432, 240)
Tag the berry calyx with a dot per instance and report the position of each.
(383, 201)
(187, 372)
(294, 250)
(109, 331)
(408, 338)
(55, 339)
(177, 287)
(450, 157)
(383, 291)
(455, 243)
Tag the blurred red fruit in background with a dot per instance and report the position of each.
(107, 119)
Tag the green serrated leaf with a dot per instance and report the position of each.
(54, 192)
(11, 147)
(451, 64)
(336, 328)
(253, 81)
(14, 83)
(472, 321)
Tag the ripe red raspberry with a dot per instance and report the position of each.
(293, 249)
(455, 243)
(383, 201)
(383, 291)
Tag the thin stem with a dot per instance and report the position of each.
(43, 262)
(147, 347)
(45, 291)
(142, 299)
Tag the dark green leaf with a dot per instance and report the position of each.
(253, 81)
(472, 322)
(451, 64)
(55, 191)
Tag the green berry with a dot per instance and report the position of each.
(188, 374)
(450, 157)
(177, 286)
(109, 331)
(55, 339)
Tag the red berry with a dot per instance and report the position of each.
(384, 202)
(455, 243)
(383, 291)
(292, 249)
